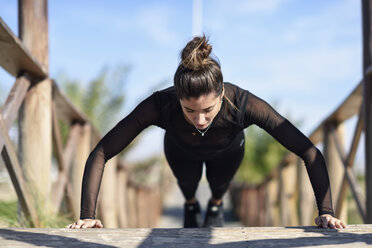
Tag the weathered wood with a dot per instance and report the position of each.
(35, 117)
(67, 112)
(122, 197)
(15, 99)
(35, 139)
(15, 57)
(367, 101)
(131, 206)
(81, 155)
(287, 194)
(303, 236)
(306, 199)
(142, 207)
(62, 180)
(334, 162)
(357, 192)
(348, 163)
(107, 199)
(33, 28)
(13, 103)
(272, 209)
(16, 175)
(347, 109)
(57, 139)
(57, 191)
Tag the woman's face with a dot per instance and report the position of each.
(201, 111)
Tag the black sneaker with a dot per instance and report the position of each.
(191, 215)
(214, 215)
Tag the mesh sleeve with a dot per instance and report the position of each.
(144, 115)
(262, 114)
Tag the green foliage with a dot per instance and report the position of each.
(102, 98)
(10, 218)
(262, 154)
(8, 214)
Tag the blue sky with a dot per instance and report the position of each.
(303, 55)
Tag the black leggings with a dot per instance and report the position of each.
(221, 166)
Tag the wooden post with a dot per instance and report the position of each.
(108, 196)
(35, 118)
(141, 206)
(272, 211)
(33, 28)
(367, 101)
(14, 168)
(335, 166)
(82, 152)
(132, 210)
(122, 197)
(287, 195)
(306, 197)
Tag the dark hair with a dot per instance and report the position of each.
(198, 73)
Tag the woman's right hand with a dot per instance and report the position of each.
(86, 223)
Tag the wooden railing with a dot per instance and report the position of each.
(288, 189)
(286, 196)
(122, 201)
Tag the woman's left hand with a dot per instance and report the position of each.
(328, 221)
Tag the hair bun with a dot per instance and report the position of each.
(196, 53)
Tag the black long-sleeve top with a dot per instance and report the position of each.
(163, 109)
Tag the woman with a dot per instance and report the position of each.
(204, 119)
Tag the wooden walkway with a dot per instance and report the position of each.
(353, 236)
(172, 216)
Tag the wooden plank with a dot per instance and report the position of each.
(15, 57)
(57, 139)
(349, 160)
(62, 180)
(108, 199)
(66, 110)
(333, 147)
(357, 192)
(63, 172)
(13, 103)
(82, 151)
(15, 99)
(122, 197)
(16, 175)
(233, 237)
(348, 108)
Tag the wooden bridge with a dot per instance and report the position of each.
(353, 236)
(40, 106)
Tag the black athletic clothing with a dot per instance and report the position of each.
(187, 166)
(164, 110)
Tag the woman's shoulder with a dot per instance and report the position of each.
(165, 95)
(165, 99)
(235, 93)
(234, 89)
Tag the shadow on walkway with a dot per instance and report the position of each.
(202, 237)
(46, 240)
